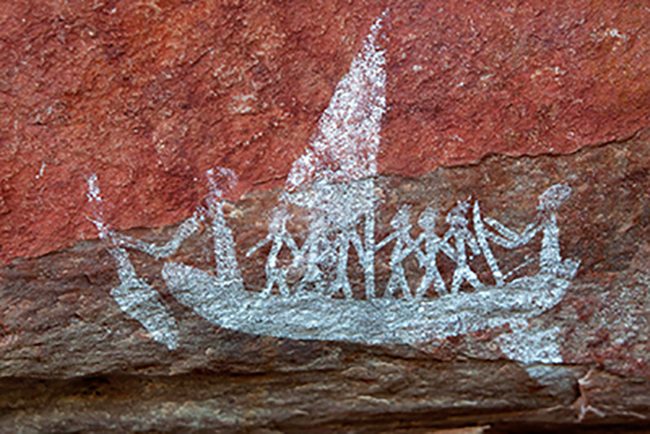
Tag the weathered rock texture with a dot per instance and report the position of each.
(149, 95)
(488, 104)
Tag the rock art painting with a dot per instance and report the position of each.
(324, 216)
(333, 185)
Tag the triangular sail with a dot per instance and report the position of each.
(346, 144)
(333, 179)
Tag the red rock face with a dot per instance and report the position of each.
(150, 95)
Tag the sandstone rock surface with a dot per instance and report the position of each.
(149, 95)
(324, 217)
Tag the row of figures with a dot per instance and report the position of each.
(324, 255)
(459, 243)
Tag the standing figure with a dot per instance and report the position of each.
(550, 260)
(482, 237)
(345, 236)
(279, 237)
(404, 246)
(427, 258)
(134, 295)
(318, 253)
(315, 251)
(226, 267)
(462, 238)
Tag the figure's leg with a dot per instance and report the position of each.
(439, 283)
(431, 275)
(472, 278)
(342, 266)
(271, 279)
(347, 289)
(457, 280)
(342, 276)
(393, 283)
(336, 286)
(313, 273)
(141, 302)
(341, 283)
(424, 285)
(282, 283)
(403, 283)
(390, 288)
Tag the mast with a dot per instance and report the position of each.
(333, 178)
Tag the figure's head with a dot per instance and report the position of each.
(279, 217)
(401, 219)
(457, 216)
(427, 219)
(552, 198)
(221, 181)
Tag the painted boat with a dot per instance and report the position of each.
(376, 321)
(333, 181)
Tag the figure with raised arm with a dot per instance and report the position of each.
(226, 266)
(550, 261)
(482, 236)
(134, 295)
(404, 246)
(279, 237)
(427, 258)
(463, 238)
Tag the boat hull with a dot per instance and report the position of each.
(376, 321)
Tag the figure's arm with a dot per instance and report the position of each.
(412, 246)
(385, 241)
(473, 244)
(508, 238)
(257, 246)
(446, 247)
(501, 229)
(422, 258)
(184, 231)
(291, 243)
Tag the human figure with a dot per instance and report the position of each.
(482, 238)
(279, 236)
(342, 224)
(134, 295)
(316, 251)
(226, 267)
(342, 247)
(427, 258)
(462, 238)
(546, 222)
(550, 259)
(404, 246)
